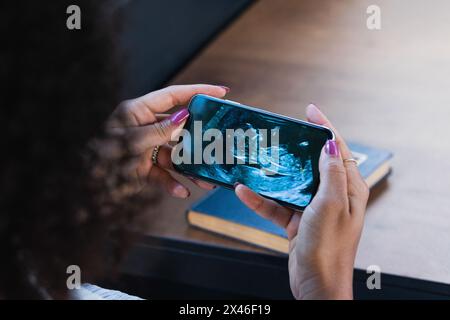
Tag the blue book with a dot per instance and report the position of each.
(220, 211)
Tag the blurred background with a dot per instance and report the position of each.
(161, 37)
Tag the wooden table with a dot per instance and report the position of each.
(387, 88)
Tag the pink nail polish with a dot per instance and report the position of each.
(331, 148)
(181, 191)
(226, 88)
(179, 116)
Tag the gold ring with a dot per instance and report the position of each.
(351, 160)
(155, 155)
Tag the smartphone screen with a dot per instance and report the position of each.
(224, 142)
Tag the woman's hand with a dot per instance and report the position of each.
(136, 127)
(324, 238)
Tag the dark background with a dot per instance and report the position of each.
(160, 37)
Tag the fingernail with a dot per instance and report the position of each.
(179, 116)
(314, 105)
(181, 191)
(226, 88)
(331, 148)
(235, 185)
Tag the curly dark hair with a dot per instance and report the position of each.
(58, 87)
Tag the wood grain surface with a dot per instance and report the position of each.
(387, 88)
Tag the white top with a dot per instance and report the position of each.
(89, 291)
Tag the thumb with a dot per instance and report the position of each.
(157, 133)
(333, 176)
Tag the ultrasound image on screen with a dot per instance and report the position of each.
(278, 157)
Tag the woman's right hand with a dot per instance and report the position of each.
(134, 130)
(324, 238)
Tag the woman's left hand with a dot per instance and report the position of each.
(324, 238)
(135, 129)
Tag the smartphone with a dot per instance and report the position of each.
(225, 142)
